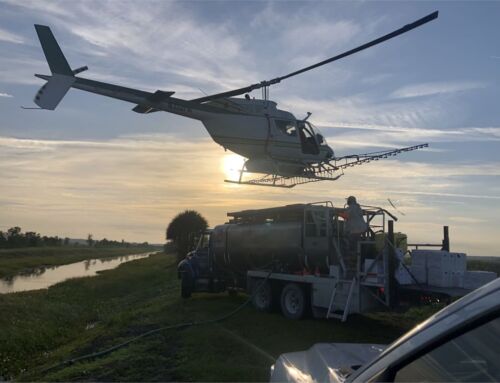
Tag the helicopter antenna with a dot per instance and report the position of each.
(264, 85)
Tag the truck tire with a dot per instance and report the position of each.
(293, 301)
(262, 295)
(186, 285)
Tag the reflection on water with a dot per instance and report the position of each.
(43, 277)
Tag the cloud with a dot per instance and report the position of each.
(326, 34)
(152, 142)
(459, 195)
(398, 168)
(10, 37)
(362, 110)
(144, 180)
(189, 49)
(469, 220)
(127, 36)
(52, 7)
(435, 88)
(132, 179)
(360, 121)
(376, 78)
(345, 136)
(20, 70)
(5, 95)
(162, 40)
(486, 131)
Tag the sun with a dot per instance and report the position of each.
(231, 165)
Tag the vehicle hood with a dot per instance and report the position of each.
(323, 362)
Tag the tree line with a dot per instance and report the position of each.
(182, 235)
(14, 237)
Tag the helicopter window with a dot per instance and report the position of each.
(320, 138)
(286, 127)
(309, 145)
(307, 133)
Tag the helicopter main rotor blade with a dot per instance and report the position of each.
(388, 36)
(247, 89)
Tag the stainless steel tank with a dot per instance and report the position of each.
(246, 246)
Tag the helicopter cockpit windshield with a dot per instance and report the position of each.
(320, 138)
(309, 139)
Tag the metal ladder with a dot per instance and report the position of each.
(330, 313)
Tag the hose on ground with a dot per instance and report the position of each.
(160, 329)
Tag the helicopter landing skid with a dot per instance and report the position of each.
(275, 180)
(322, 171)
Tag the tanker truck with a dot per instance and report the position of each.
(296, 258)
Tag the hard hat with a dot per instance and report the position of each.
(351, 199)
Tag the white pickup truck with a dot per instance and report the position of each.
(460, 343)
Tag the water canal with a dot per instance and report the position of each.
(43, 277)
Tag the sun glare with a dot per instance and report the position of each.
(231, 165)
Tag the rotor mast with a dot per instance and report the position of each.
(265, 92)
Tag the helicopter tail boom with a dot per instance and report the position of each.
(146, 102)
(63, 78)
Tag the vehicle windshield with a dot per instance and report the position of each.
(320, 138)
(203, 242)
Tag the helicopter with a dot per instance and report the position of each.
(284, 150)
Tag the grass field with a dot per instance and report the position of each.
(80, 316)
(24, 260)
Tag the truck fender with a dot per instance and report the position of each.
(186, 275)
(184, 267)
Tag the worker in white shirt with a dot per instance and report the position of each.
(354, 227)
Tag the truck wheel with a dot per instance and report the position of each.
(293, 301)
(262, 298)
(186, 285)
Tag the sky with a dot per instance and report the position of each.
(94, 166)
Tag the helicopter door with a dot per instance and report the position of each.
(285, 143)
(307, 140)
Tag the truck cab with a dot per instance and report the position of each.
(200, 256)
(193, 269)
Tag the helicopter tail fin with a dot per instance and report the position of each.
(63, 77)
(55, 58)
